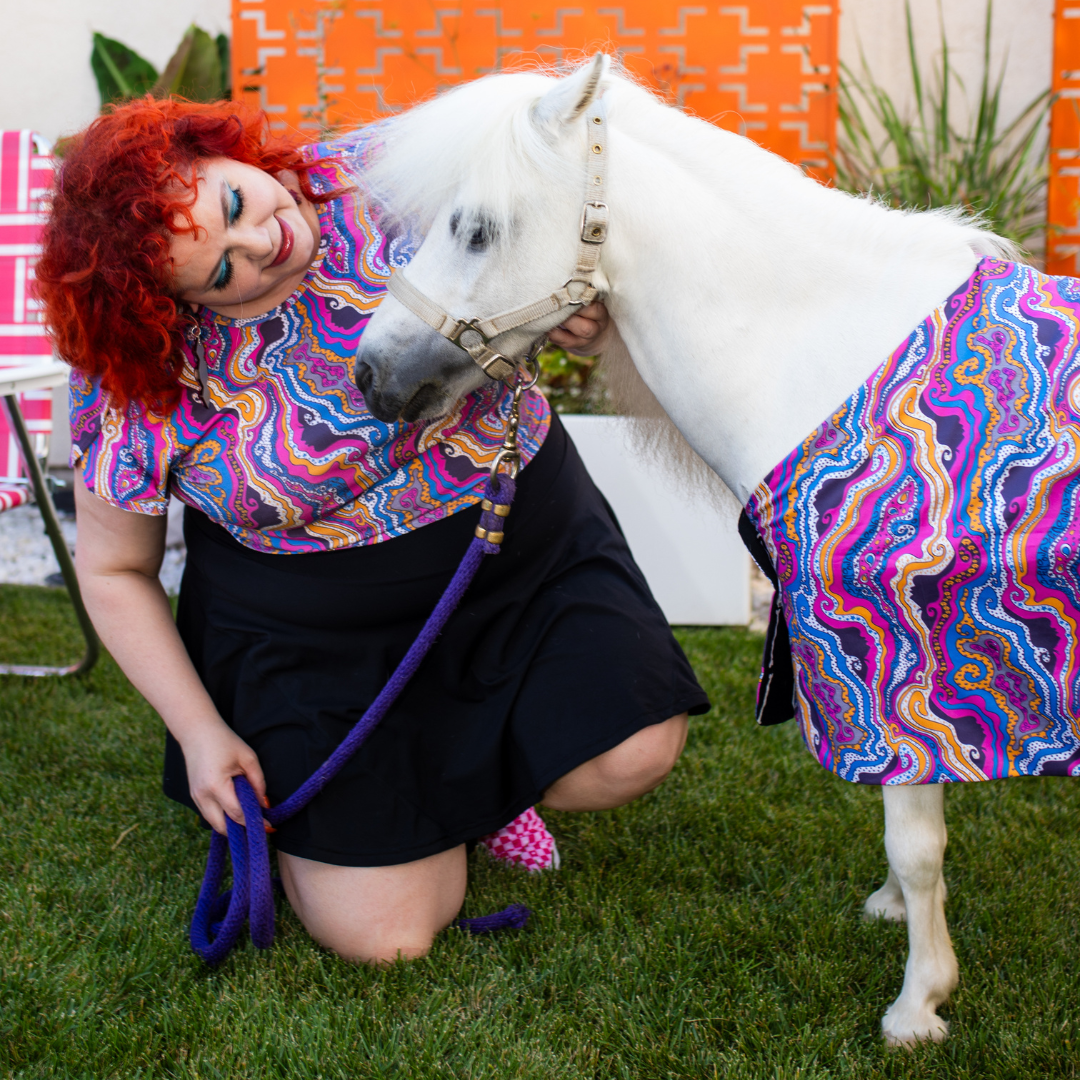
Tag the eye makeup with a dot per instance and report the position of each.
(236, 208)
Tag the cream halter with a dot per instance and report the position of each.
(475, 335)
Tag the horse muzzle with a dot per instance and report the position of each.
(412, 387)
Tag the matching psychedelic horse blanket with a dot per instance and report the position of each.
(926, 541)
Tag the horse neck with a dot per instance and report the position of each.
(754, 301)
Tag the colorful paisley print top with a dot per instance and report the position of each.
(927, 543)
(272, 439)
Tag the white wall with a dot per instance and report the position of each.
(688, 549)
(1022, 29)
(45, 77)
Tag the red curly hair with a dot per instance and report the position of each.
(126, 185)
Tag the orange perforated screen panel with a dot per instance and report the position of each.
(766, 68)
(1063, 209)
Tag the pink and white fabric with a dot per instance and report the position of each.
(525, 842)
(26, 177)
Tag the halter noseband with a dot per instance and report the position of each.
(474, 335)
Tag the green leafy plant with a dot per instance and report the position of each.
(199, 69)
(997, 170)
(569, 382)
(120, 72)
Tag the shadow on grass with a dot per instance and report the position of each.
(710, 929)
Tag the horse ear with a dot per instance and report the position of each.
(571, 96)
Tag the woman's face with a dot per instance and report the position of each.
(255, 242)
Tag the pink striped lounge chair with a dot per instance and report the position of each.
(28, 369)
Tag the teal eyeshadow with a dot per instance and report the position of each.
(234, 213)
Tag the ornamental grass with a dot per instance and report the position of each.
(923, 158)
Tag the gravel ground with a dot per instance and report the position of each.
(26, 556)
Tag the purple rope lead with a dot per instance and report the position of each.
(512, 918)
(219, 919)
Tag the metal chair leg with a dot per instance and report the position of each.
(63, 556)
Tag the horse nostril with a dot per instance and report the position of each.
(363, 376)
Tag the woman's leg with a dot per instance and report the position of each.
(376, 914)
(624, 773)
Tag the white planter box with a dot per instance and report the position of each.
(691, 555)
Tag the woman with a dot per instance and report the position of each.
(209, 284)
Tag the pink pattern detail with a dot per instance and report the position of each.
(524, 842)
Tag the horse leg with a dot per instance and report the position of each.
(888, 902)
(915, 839)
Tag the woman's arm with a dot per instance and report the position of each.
(118, 556)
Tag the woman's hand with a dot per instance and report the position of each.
(585, 332)
(213, 758)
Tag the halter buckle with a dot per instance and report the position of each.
(493, 364)
(594, 222)
(463, 325)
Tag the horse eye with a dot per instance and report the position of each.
(484, 234)
(481, 230)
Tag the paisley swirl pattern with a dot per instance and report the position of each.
(272, 439)
(927, 543)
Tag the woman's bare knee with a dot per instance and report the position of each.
(377, 914)
(626, 772)
(643, 761)
(379, 952)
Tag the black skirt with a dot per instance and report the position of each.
(557, 653)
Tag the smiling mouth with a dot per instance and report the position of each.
(286, 242)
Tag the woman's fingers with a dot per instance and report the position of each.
(211, 810)
(595, 312)
(222, 802)
(217, 803)
(213, 764)
(251, 768)
(582, 331)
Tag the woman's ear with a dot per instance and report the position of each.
(571, 96)
(291, 183)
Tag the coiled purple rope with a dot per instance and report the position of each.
(219, 917)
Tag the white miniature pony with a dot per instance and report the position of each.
(752, 301)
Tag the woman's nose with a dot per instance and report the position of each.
(258, 240)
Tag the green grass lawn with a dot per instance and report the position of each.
(711, 929)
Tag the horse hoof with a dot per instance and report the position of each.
(886, 905)
(904, 1030)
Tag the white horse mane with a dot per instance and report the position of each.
(491, 160)
(498, 134)
(489, 152)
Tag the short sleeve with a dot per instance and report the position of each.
(124, 455)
